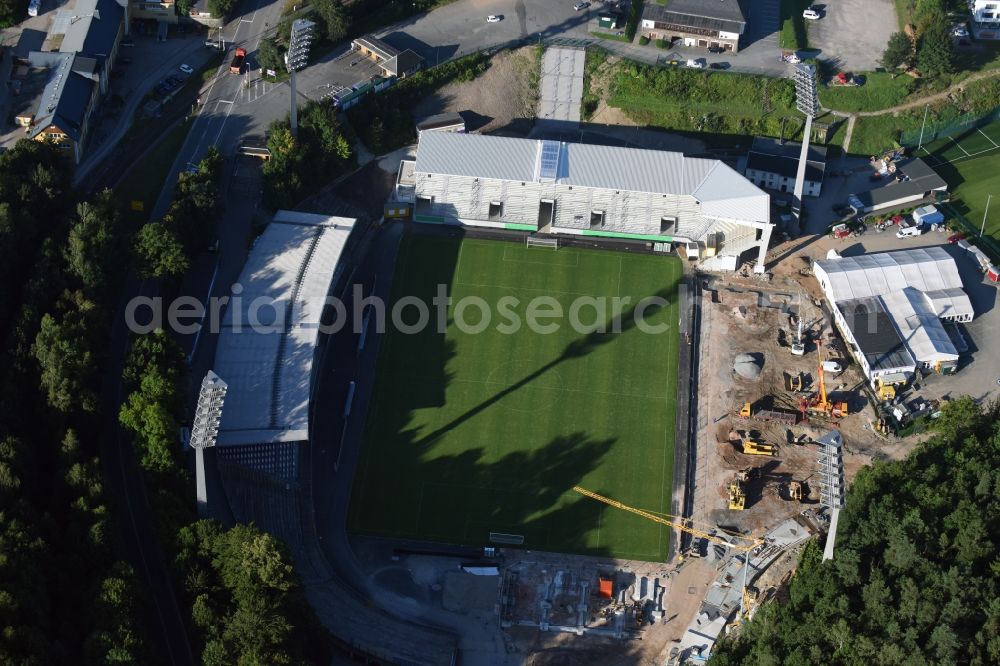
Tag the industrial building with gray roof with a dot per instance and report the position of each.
(889, 305)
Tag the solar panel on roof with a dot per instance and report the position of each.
(550, 160)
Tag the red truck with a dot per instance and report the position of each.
(236, 66)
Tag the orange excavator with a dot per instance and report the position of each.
(820, 403)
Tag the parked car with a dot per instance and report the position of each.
(811, 14)
(127, 43)
(494, 18)
(580, 5)
(716, 49)
(34, 7)
(911, 230)
(696, 64)
(841, 210)
(719, 65)
(954, 238)
(960, 31)
(187, 69)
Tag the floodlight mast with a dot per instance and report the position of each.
(205, 430)
(295, 59)
(807, 102)
(830, 463)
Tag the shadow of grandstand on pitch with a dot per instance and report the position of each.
(526, 494)
(580, 347)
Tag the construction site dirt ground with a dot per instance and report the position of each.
(685, 586)
(749, 316)
(494, 102)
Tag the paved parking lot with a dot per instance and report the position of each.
(853, 33)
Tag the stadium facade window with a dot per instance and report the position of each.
(496, 210)
(667, 224)
(596, 218)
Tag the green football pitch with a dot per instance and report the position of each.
(970, 163)
(473, 433)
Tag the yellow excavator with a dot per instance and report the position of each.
(752, 447)
(737, 496)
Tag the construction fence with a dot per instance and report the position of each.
(943, 129)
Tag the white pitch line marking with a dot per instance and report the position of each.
(958, 144)
(987, 137)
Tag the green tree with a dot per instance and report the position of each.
(897, 52)
(270, 55)
(93, 239)
(332, 18)
(935, 52)
(63, 348)
(159, 253)
(220, 8)
(183, 7)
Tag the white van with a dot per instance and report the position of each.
(811, 14)
(910, 230)
(34, 7)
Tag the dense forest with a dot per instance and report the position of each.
(916, 574)
(65, 597)
(66, 594)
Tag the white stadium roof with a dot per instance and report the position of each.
(721, 191)
(267, 341)
(930, 270)
(919, 326)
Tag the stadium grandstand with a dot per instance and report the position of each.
(555, 187)
(268, 339)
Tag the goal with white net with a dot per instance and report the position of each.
(533, 241)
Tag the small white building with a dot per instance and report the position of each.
(587, 190)
(889, 307)
(985, 18)
(774, 165)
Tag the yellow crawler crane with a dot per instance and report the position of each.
(742, 543)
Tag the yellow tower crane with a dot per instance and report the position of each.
(683, 524)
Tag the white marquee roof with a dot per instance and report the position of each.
(930, 270)
(265, 348)
(919, 326)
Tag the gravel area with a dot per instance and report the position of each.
(496, 101)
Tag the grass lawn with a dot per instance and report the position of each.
(970, 163)
(880, 91)
(720, 103)
(476, 433)
(144, 181)
(794, 32)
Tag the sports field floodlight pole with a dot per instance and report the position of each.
(831, 473)
(982, 229)
(920, 143)
(807, 102)
(295, 59)
(205, 430)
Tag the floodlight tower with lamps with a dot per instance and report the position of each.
(831, 479)
(205, 430)
(807, 102)
(296, 58)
